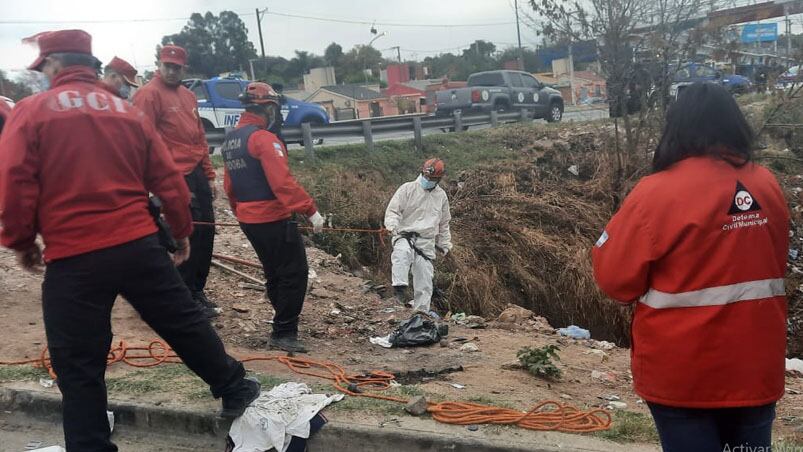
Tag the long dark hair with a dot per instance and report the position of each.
(705, 120)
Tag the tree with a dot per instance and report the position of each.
(215, 44)
(333, 55)
(12, 89)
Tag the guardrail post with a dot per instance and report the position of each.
(494, 118)
(525, 115)
(369, 136)
(458, 121)
(418, 134)
(306, 133)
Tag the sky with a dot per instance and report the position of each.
(132, 33)
(131, 30)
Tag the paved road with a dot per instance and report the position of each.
(17, 432)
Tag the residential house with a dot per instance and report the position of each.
(408, 99)
(352, 102)
(319, 77)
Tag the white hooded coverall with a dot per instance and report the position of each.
(425, 212)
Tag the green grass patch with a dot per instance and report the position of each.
(21, 373)
(167, 378)
(630, 427)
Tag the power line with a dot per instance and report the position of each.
(386, 24)
(97, 21)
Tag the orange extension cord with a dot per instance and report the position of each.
(548, 415)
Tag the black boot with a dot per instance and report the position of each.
(210, 308)
(287, 343)
(235, 403)
(400, 293)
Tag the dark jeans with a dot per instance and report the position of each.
(77, 298)
(713, 430)
(280, 248)
(195, 271)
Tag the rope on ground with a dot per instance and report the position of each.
(381, 232)
(548, 415)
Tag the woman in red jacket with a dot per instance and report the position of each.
(700, 247)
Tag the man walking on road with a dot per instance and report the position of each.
(418, 217)
(119, 76)
(76, 167)
(264, 196)
(174, 110)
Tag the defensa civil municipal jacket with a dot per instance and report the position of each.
(701, 249)
(76, 166)
(257, 177)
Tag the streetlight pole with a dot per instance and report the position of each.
(365, 57)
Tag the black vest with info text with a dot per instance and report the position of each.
(248, 180)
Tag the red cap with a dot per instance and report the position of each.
(62, 41)
(122, 67)
(173, 54)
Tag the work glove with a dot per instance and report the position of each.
(317, 223)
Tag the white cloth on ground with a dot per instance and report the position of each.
(403, 259)
(276, 416)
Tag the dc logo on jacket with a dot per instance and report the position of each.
(743, 201)
(744, 210)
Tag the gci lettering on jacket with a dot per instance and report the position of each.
(701, 249)
(76, 166)
(271, 156)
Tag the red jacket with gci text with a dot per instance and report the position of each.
(701, 249)
(76, 166)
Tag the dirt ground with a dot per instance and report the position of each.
(342, 312)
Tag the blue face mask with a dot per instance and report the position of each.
(427, 184)
(125, 91)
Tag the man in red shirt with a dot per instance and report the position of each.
(174, 110)
(76, 167)
(119, 76)
(264, 196)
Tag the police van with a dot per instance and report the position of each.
(220, 108)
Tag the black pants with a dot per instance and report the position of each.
(281, 250)
(195, 271)
(714, 430)
(78, 294)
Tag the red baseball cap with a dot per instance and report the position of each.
(173, 54)
(62, 41)
(122, 67)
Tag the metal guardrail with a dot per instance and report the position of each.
(367, 127)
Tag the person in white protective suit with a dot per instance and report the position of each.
(418, 218)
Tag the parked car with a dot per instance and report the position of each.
(789, 78)
(501, 91)
(696, 72)
(219, 106)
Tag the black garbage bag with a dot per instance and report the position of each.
(418, 330)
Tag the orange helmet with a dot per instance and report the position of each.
(259, 93)
(434, 168)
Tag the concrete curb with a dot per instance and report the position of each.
(336, 436)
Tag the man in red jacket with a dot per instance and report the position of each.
(174, 110)
(119, 76)
(76, 166)
(264, 196)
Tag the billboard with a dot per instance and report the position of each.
(759, 33)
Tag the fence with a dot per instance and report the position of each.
(366, 128)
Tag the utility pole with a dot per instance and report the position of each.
(518, 33)
(788, 32)
(259, 27)
(398, 53)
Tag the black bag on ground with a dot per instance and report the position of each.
(420, 329)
